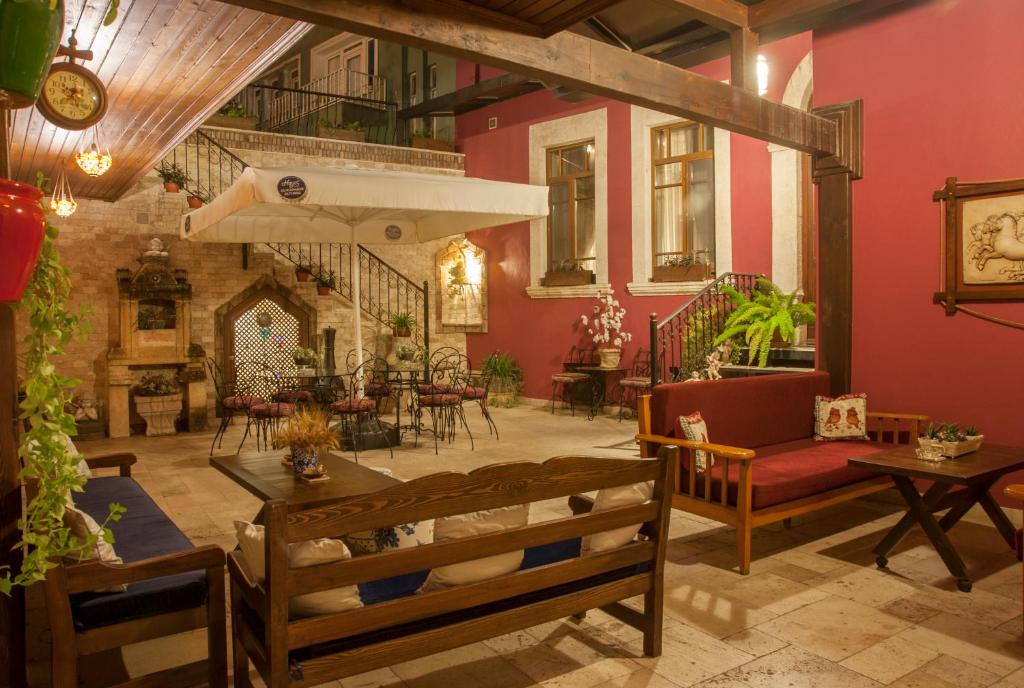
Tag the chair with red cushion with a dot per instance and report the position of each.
(637, 382)
(479, 393)
(563, 384)
(447, 385)
(232, 398)
(355, 406)
(437, 360)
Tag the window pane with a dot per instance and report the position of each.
(558, 221)
(709, 138)
(669, 173)
(553, 159)
(585, 187)
(586, 246)
(574, 160)
(701, 209)
(589, 148)
(684, 140)
(668, 215)
(660, 144)
(559, 192)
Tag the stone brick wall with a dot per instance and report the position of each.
(101, 237)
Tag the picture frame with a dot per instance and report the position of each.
(983, 242)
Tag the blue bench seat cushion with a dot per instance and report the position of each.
(143, 532)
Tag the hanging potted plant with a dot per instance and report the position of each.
(755, 321)
(22, 226)
(158, 401)
(31, 31)
(306, 434)
(326, 283)
(402, 324)
(173, 177)
(604, 326)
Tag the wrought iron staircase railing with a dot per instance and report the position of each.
(384, 291)
(681, 343)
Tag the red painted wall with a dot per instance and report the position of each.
(939, 84)
(539, 332)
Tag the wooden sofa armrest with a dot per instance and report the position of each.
(122, 461)
(737, 453)
(94, 575)
(897, 416)
(1014, 492)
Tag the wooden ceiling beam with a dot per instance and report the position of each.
(772, 12)
(571, 60)
(743, 60)
(726, 15)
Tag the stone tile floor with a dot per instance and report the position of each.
(814, 611)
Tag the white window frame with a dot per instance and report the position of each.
(337, 45)
(544, 135)
(642, 121)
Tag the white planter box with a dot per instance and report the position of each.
(159, 413)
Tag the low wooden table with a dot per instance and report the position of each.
(974, 473)
(263, 474)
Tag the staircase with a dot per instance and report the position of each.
(681, 343)
(384, 291)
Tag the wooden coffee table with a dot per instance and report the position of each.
(263, 474)
(973, 474)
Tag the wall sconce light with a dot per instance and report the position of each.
(762, 75)
(62, 202)
(94, 159)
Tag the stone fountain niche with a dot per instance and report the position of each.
(155, 335)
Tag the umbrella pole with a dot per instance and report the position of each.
(356, 298)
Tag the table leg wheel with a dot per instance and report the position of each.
(881, 562)
(964, 585)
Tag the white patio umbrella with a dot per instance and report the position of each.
(358, 206)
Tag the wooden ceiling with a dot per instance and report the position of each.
(167, 65)
(533, 17)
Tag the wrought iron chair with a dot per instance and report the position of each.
(638, 381)
(350, 359)
(358, 406)
(295, 390)
(436, 360)
(232, 398)
(265, 417)
(448, 382)
(479, 393)
(564, 384)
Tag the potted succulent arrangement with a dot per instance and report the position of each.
(303, 272)
(173, 177)
(325, 283)
(402, 324)
(349, 131)
(306, 360)
(604, 326)
(158, 401)
(755, 321)
(949, 439)
(31, 31)
(233, 116)
(568, 273)
(505, 379)
(307, 434)
(423, 138)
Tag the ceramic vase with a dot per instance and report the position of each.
(304, 460)
(610, 357)
(30, 34)
(22, 224)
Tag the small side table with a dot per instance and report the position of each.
(975, 474)
(599, 378)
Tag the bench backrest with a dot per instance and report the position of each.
(449, 494)
(748, 412)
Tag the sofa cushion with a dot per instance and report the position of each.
(143, 532)
(745, 412)
(794, 470)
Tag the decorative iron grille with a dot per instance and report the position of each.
(265, 338)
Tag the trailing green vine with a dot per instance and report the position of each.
(47, 392)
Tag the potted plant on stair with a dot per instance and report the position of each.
(349, 131)
(402, 324)
(303, 272)
(30, 32)
(604, 326)
(755, 321)
(326, 283)
(233, 116)
(424, 139)
(195, 201)
(158, 401)
(173, 177)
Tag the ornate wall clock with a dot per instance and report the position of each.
(73, 97)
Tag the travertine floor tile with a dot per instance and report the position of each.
(959, 673)
(889, 660)
(794, 668)
(970, 642)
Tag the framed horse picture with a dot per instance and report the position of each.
(983, 241)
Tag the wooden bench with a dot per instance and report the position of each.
(765, 422)
(310, 651)
(172, 588)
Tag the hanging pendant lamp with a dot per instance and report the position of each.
(62, 202)
(94, 159)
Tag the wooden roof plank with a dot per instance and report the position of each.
(721, 14)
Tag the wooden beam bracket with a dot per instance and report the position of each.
(849, 157)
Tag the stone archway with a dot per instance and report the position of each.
(788, 205)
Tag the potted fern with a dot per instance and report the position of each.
(402, 324)
(326, 282)
(504, 379)
(755, 321)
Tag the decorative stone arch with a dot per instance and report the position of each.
(787, 200)
(266, 287)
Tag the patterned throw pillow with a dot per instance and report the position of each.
(695, 429)
(842, 418)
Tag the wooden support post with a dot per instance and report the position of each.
(12, 609)
(743, 62)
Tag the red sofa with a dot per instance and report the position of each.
(762, 437)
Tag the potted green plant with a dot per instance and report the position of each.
(158, 401)
(173, 177)
(326, 283)
(504, 377)
(195, 201)
(755, 321)
(568, 273)
(402, 324)
(305, 358)
(949, 439)
(307, 434)
(423, 138)
(303, 272)
(349, 131)
(684, 267)
(233, 116)
(31, 31)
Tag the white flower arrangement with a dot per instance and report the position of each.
(604, 325)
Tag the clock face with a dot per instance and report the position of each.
(72, 97)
